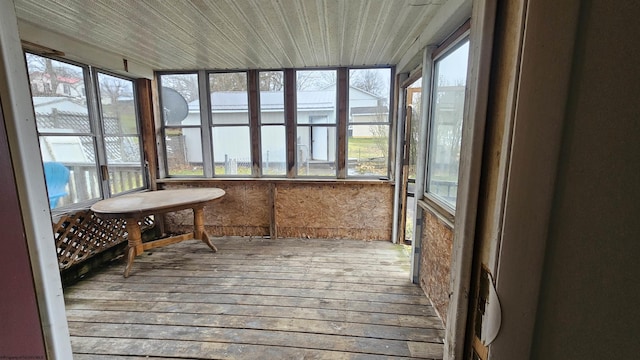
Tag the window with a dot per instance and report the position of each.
(180, 102)
(316, 119)
(445, 131)
(272, 124)
(121, 133)
(70, 130)
(230, 123)
(369, 122)
(259, 124)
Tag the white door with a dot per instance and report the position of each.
(319, 143)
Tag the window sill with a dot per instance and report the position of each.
(271, 180)
(443, 212)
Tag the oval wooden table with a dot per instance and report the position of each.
(135, 207)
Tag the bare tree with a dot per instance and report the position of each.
(236, 81)
(114, 88)
(311, 80)
(449, 119)
(271, 81)
(112, 92)
(47, 74)
(185, 84)
(370, 80)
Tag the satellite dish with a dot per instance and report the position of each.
(174, 106)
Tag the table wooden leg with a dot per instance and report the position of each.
(198, 224)
(131, 254)
(135, 243)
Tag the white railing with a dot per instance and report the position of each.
(85, 181)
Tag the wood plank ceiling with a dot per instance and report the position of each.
(239, 34)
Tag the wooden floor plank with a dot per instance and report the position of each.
(343, 328)
(78, 356)
(313, 303)
(225, 337)
(261, 291)
(272, 275)
(247, 280)
(179, 349)
(430, 321)
(256, 298)
(142, 267)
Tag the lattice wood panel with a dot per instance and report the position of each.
(81, 235)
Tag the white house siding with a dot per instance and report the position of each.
(314, 108)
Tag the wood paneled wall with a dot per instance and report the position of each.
(435, 261)
(293, 209)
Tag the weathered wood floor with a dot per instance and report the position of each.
(256, 299)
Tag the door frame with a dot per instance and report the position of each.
(20, 125)
(405, 147)
(480, 53)
(548, 36)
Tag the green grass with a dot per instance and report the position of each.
(219, 170)
(367, 147)
(197, 171)
(127, 116)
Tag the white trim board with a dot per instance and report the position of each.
(25, 155)
(480, 52)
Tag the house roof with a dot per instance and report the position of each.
(369, 110)
(44, 104)
(60, 78)
(274, 101)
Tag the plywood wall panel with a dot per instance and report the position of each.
(435, 261)
(357, 211)
(242, 211)
(340, 210)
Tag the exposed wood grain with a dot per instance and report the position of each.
(343, 88)
(254, 119)
(111, 279)
(330, 211)
(435, 266)
(257, 298)
(427, 321)
(278, 208)
(145, 106)
(167, 241)
(213, 350)
(273, 230)
(290, 120)
(262, 322)
(134, 207)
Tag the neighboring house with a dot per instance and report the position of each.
(316, 118)
(62, 115)
(365, 107)
(47, 104)
(67, 116)
(41, 84)
(448, 128)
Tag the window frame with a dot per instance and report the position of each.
(91, 93)
(138, 134)
(330, 124)
(448, 47)
(164, 126)
(212, 125)
(259, 124)
(388, 123)
(290, 124)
